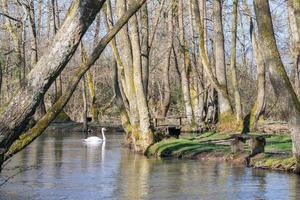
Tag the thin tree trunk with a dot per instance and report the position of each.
(85, 110)
(145, 46)
(39, 20)
(16, 35)
(234, 80)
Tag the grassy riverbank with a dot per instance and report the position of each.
(216, 146)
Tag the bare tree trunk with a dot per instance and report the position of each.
(221, 88)
(224, 104)
(145, 46)
(278, 75)
(146, 137)
(85, 110)
(127, 59)
(293, 17)
(39, 20)
(259, 105)
(91, 87)
(165, 74)
(17, 114)
(234, 80)
(184, 67)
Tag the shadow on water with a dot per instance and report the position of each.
(65, 168)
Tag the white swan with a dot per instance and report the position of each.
(95, 139)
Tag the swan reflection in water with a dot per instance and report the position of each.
(94, 145)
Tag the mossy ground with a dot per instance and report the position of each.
(277, 156)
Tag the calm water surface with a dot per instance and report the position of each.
(62, 167)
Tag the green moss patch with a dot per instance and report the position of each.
(281, 162)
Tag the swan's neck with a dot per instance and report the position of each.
(103, 135)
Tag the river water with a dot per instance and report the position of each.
(59, 166)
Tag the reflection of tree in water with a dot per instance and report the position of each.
(134, 175)
(58, 153)
(260, 176)
(294, 183)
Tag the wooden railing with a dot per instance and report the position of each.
(169, 121)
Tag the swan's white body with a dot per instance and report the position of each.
(95, 139)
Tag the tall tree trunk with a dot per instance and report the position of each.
(224, 104)
(294, 22)
(127, 59)
(221, 89)
(234, 80)
(259, 105)
(184, 67)
(146, 137)
(17, 114)
(91, 88)
(278, 75)
(165, 72)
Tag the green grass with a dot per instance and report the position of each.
(278, 149)
(282, 143)
(184, 148)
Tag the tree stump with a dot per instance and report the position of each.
(257, 144)
(237, 145)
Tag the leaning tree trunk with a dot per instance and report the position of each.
(52, 113)
(18, 113)
(278, 75)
